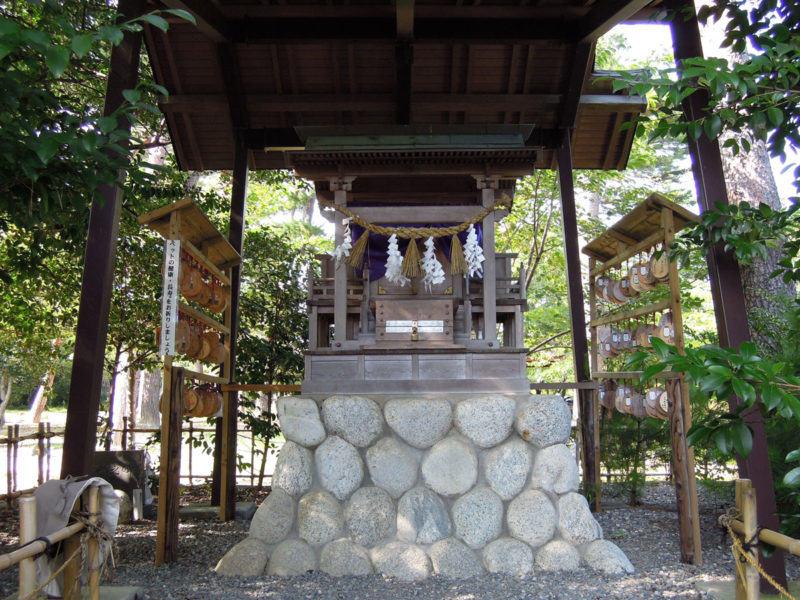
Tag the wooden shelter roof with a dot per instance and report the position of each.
(636, 226)
(268, 69)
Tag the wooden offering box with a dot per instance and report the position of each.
(405, 323)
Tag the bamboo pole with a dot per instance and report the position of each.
(9, 470)
(15, 448)
(94, 544)
(49, 435)
(72, 572)
(27, 533)
(747, 586)
(773, 538)
(40, 453)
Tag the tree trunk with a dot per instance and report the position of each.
(149, 397)
(133, 396)
(6, 385)
(749, 178)
(40, 398)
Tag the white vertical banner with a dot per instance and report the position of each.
(170, 296)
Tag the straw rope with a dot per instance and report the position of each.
(415, 233)
(740, 554)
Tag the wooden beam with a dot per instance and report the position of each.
(581, 66)
(416, 214)
(201, 104)
(98, 273)
(404, 60)
(605, 15)
(580, 347)
(210, 21)
(405, 19)
(726, 283)
(169, 481)
(307, 29)
(236, 238)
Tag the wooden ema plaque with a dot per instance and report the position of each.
(412, 323)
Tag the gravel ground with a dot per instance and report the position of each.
(647, 534)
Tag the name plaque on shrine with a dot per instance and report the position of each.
(414, 321)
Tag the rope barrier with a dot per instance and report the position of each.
(415, 233)
(741, 552)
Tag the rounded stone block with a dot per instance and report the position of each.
(486, 420)
(274, 518)
(450, 467)
(507, 467)
(575, 520)
(605, 556)
(508, 556)
(356, 419)
(451, 558)
(558, 555)
(247, 559)
(319, 518)
(404, 561)
(544, 420)
(343, 557)
(392, 466)
(478, 517)
(339, 466)
(422, 517)
(531, 517)
(299, 420)
(293, 469)
(421, 422)
(292, 557)
(370, 516)
(555, 470)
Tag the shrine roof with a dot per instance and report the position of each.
(271, 71)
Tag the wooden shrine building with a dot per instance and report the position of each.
(409, 112)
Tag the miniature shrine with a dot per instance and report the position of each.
(413, 122)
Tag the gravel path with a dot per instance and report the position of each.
(647, 534)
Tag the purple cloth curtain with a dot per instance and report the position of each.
(378, 245)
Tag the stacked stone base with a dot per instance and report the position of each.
(411, 486)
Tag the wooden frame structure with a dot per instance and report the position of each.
(326, 65)
(185, 222)
(654, 222)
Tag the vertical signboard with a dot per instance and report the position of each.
(169, 297)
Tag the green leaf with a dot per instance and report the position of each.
(710, 383)
(183, 14)
(793, 455)
(775, 115)
(712, 126)
(5, 50)
(744, 390)
(38, 39)
(721, 439)
(792, 478)
(132, 96)
(770, 396)
(57, 59)
(106, 124)
(110, 33)
(155, 21)
(742, 439)
(81, 44)
(8, 27)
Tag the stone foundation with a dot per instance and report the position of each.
(410, 486)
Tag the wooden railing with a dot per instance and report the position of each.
(12, 443)
(31, 547)
(742, 524)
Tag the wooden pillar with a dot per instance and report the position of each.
(98, 273)
(726, 283)
(170, 464)
(227, 504)
(577, 314)
(488, 187)
(340, 188)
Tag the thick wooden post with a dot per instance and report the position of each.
(726, 283)
(577, 315)
(227, 505)
(98, 274)
(168, 484)
(489, 267)
(340, 273)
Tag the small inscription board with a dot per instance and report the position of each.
(170, 296)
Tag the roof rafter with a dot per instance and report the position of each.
(210, 21)
(607, 14)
